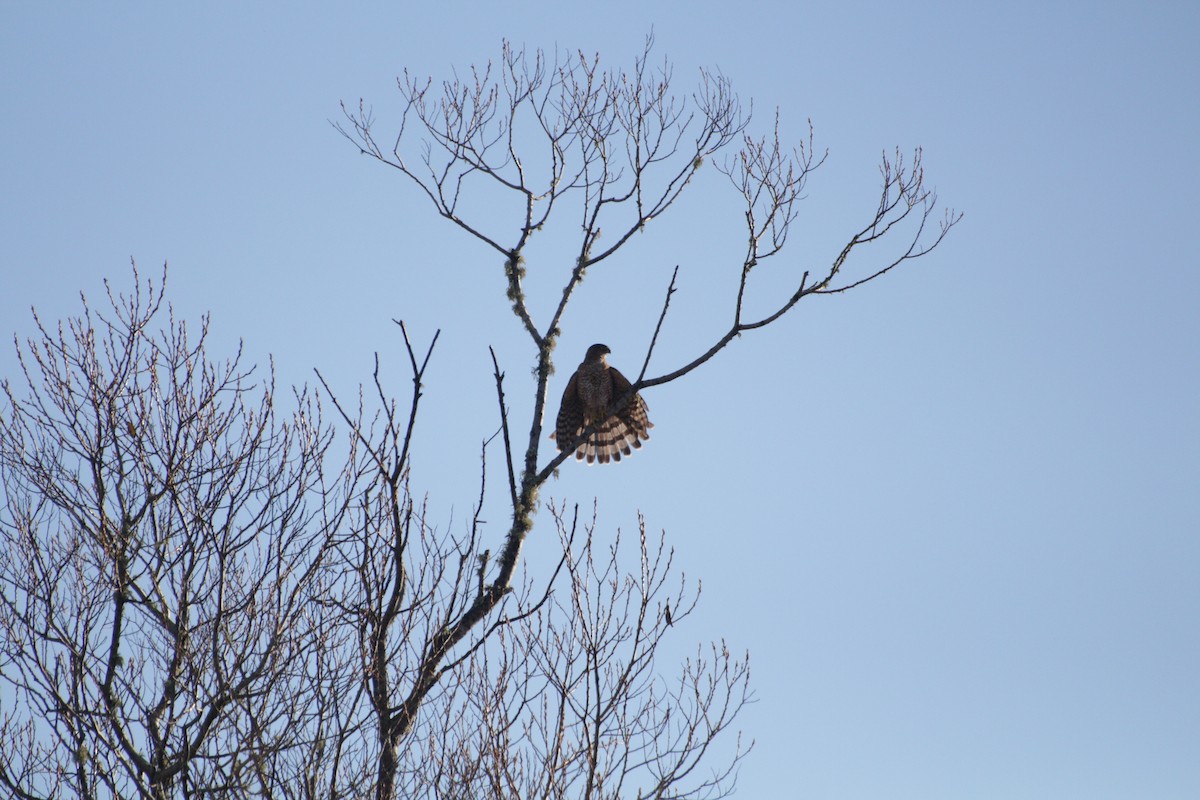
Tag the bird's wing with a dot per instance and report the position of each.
(620, 383)
(634, 414)
(570, 415)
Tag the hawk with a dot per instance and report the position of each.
(590, 393)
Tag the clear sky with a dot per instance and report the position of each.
(954, 515)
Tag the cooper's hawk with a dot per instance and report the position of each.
(590, 393)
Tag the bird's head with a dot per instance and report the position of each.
(597, 352)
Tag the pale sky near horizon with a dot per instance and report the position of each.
(954, 515)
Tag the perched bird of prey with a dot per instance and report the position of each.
(589, 395)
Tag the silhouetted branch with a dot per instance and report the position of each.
(508, 455)
(658, 327)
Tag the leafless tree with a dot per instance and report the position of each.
(202, 595)
(571, 702)
(546, 139)
(161, 532)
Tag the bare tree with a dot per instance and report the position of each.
(161, 528)
(604, 149)
(571, 702)
(199, 595)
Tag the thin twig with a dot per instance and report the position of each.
(662, 316)
(508, 455)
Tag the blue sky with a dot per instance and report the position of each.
(954, 515)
